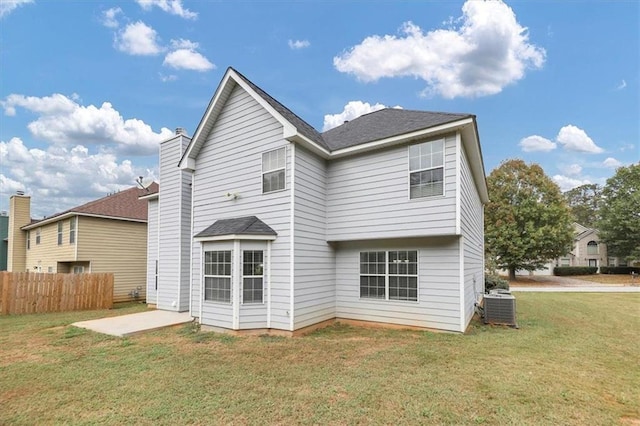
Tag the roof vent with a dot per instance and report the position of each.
(180, 131)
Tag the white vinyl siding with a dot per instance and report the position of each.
(314, 258)
(230, 155)
(438, 304)
(472, 228)
(367, 197)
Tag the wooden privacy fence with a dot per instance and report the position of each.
(32, 292)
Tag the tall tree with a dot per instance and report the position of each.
(584, 202)
(527, 221)
(619, 224)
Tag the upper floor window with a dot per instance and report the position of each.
(273, 175)
(426, 169)
(38, 236)
(592, 247)
(217, 276)
(72, 230)
(28, 240)
(59, 233)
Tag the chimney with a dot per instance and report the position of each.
(19, 216)
(181, 131)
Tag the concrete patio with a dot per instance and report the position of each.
(127, 325)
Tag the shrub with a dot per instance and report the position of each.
(574, 270)
(493, 281)
(620, 270)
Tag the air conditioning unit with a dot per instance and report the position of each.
(500, 308)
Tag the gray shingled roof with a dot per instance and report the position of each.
(383, 124)
(249, 225)
(303, 127)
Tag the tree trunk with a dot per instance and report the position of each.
(512, 273)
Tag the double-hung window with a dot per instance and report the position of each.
(37, 236)
(426, 169)
(28, 240)
(391, 275)
(252, 276)
(60, 233)
(273, 170)
(72, 230)
(217, 276)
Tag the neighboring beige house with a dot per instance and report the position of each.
(105, 235)
(589, 251)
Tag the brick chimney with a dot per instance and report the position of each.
(19, 216)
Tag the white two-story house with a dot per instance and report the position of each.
(262, 223)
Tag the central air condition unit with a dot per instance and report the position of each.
(500, 308)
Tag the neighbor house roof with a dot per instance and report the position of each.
(123, 205)
(249, 225)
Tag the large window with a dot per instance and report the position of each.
(252, 276)
(592, 247)
(72, 230)
(60, 233)
(426, 169)
(273, 175)
(391, 275)
(217, 276)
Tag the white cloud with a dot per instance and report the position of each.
(611, 163)
(138, 39)
(573, 138)
(173, 7)
(572, 169)
(60, 177)
(298, 44)
(566, 183)
(352, 110)
(486, 52)
(537, 143)
(168, 78)
(186, 57)
(64, 122)
(622, 85)
(8, 6)
(110, 17)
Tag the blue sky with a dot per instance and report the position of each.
(88, 89)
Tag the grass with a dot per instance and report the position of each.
(573, 361)
(610, 279)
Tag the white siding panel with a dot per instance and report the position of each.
(314, 258)
(472, 227)
(438, 304)
(368, 197)
(230, 161)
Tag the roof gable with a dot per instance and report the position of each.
(124, 205)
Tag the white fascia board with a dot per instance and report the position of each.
(231, 237)
(309, 144)
(149, 197)
(393, 140)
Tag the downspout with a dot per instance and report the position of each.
(268, 264)
(193, 180)
(292, 239)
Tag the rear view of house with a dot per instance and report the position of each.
(105, 235)
(263, 223)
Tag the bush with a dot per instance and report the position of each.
(562, 271)
(492, 282)
(619, 270)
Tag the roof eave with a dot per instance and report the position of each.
(260, 237)
(54, 219)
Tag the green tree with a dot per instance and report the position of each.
(527, 221)
(584, 202)
(619, 224)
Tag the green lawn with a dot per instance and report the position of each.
(574, 360)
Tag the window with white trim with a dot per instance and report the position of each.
(592, 247)
(565, 261)
(273, 170)
(72, 230)
(391, 275)
(38, 236)
(60, 233)
(426, 169)
(78, 269)
(252, 276)
(28, 240)
(217, 276)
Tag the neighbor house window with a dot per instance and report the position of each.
(252, 276)
(391, 275)
(28, 240)
(622, 262)
(59, 233)
(565, 261)
(38, 236)
(78, 269)
(611, 261)
(273, 176)
(592, 247)
(217, 276)
(50, 269)
(72, 230)
(426, 169)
